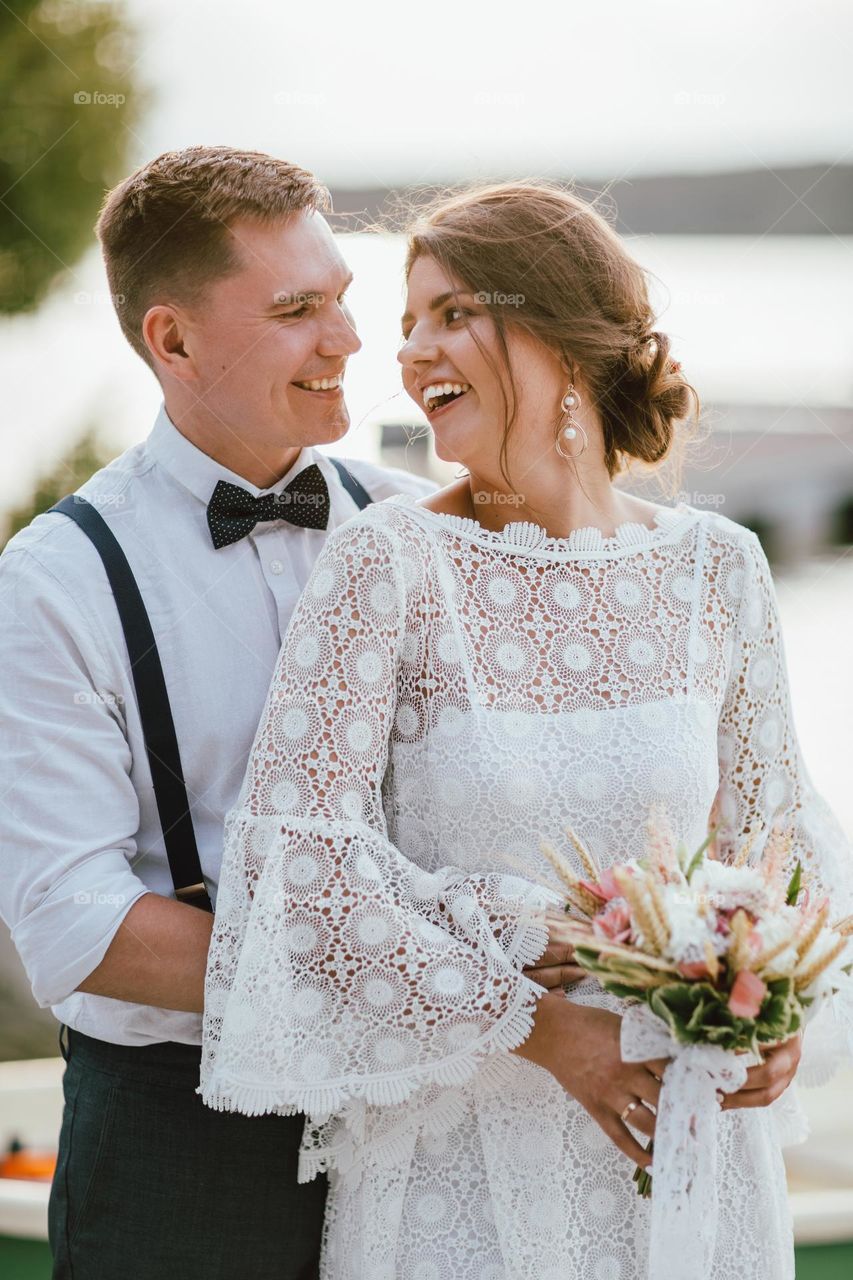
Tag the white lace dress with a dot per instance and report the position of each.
(445, 697)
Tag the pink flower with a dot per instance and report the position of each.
(694, 969)
(608, 885)
(593, 887)
(747, 995)
(614, 923)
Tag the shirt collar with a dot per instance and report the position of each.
(198, 472)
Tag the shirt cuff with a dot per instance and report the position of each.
(66, 936)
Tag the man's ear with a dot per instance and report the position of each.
(164, 330)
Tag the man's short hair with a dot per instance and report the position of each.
(164, 231)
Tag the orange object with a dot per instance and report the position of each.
(19, 1162)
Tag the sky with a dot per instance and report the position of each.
(382, 92)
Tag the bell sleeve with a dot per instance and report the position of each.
(339, 969)
(764, 783)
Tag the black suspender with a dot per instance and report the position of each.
(158, 727)
(155, 712)
(356, 491)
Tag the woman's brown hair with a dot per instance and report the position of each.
(574, 286)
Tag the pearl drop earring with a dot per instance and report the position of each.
(569, 426)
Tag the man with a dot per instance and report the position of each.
(229, 284)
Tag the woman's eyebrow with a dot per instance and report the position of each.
(439, 301)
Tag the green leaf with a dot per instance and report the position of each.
(619, 989)
(696, 860)
(693, 865)
(794, 885)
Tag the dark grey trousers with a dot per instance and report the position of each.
(151, 1183)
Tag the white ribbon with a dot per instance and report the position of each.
(684, 1206)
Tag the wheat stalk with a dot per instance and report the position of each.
(811, 931)
(587, 861)
(659, 907)
(579, 897)
(746, 847)
(741, 928)
(711, 960)
(644, 914)
(816, 968)
(660, 845)
(764, 957)
(522, 865)
(605, 947)
(773, 859)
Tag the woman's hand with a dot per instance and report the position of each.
(580, 1046)
(554, 967)
(767, 1082)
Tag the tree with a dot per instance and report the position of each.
(69, 104)
(85, 457)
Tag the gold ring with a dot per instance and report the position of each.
(632, 1106)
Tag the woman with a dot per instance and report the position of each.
(464, 675)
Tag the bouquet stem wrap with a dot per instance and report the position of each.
(684, 1200)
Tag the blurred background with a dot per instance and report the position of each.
(718, 138)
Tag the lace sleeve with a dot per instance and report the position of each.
(764, 780)
(338, 969)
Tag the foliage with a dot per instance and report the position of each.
(70, 103)
(85, 457)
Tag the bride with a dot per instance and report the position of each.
(465, 675)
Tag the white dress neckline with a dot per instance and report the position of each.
(630, 536)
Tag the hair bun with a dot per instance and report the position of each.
(650, 398)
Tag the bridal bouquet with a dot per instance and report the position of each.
(715, 959)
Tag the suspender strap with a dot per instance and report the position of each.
(356, 491)
(158, 728)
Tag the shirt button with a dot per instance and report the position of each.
(276, 566)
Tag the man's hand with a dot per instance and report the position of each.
(554, 967)
(767, 1082)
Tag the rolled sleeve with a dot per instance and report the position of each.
(66, 935)
(69, 812)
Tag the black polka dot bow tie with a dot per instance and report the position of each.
(233, 512)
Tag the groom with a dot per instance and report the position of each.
(229, 284)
